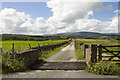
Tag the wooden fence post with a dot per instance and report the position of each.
(29, 46)
(100, 52)
(85, 46)
(93, 53)
(13, 48)
(38, 44)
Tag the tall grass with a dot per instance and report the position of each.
(10, 65)
(104, 68)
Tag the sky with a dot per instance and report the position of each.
(57, 16)
(35, 9)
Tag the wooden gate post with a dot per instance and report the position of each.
(38, 45)
(100, 52)
(85, 46)
(93, 53)
(13, 48)
(29, 46)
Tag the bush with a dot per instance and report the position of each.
(104, 68)
(12, 65)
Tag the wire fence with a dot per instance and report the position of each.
(16, 48)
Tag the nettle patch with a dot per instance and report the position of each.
(104, 68)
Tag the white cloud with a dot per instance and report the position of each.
(11, 20)
(68, 11)
(113, 27)
(117, 11)
(67, 17)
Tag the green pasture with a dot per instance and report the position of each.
(23, 45)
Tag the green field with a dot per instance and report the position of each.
(79, 45)
(23, 45)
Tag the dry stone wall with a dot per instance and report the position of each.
(31, 56)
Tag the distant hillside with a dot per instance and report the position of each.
(30, 37)
(93, 35)
(82, 35)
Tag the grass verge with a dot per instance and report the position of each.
(79, 50)
(79, 54)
